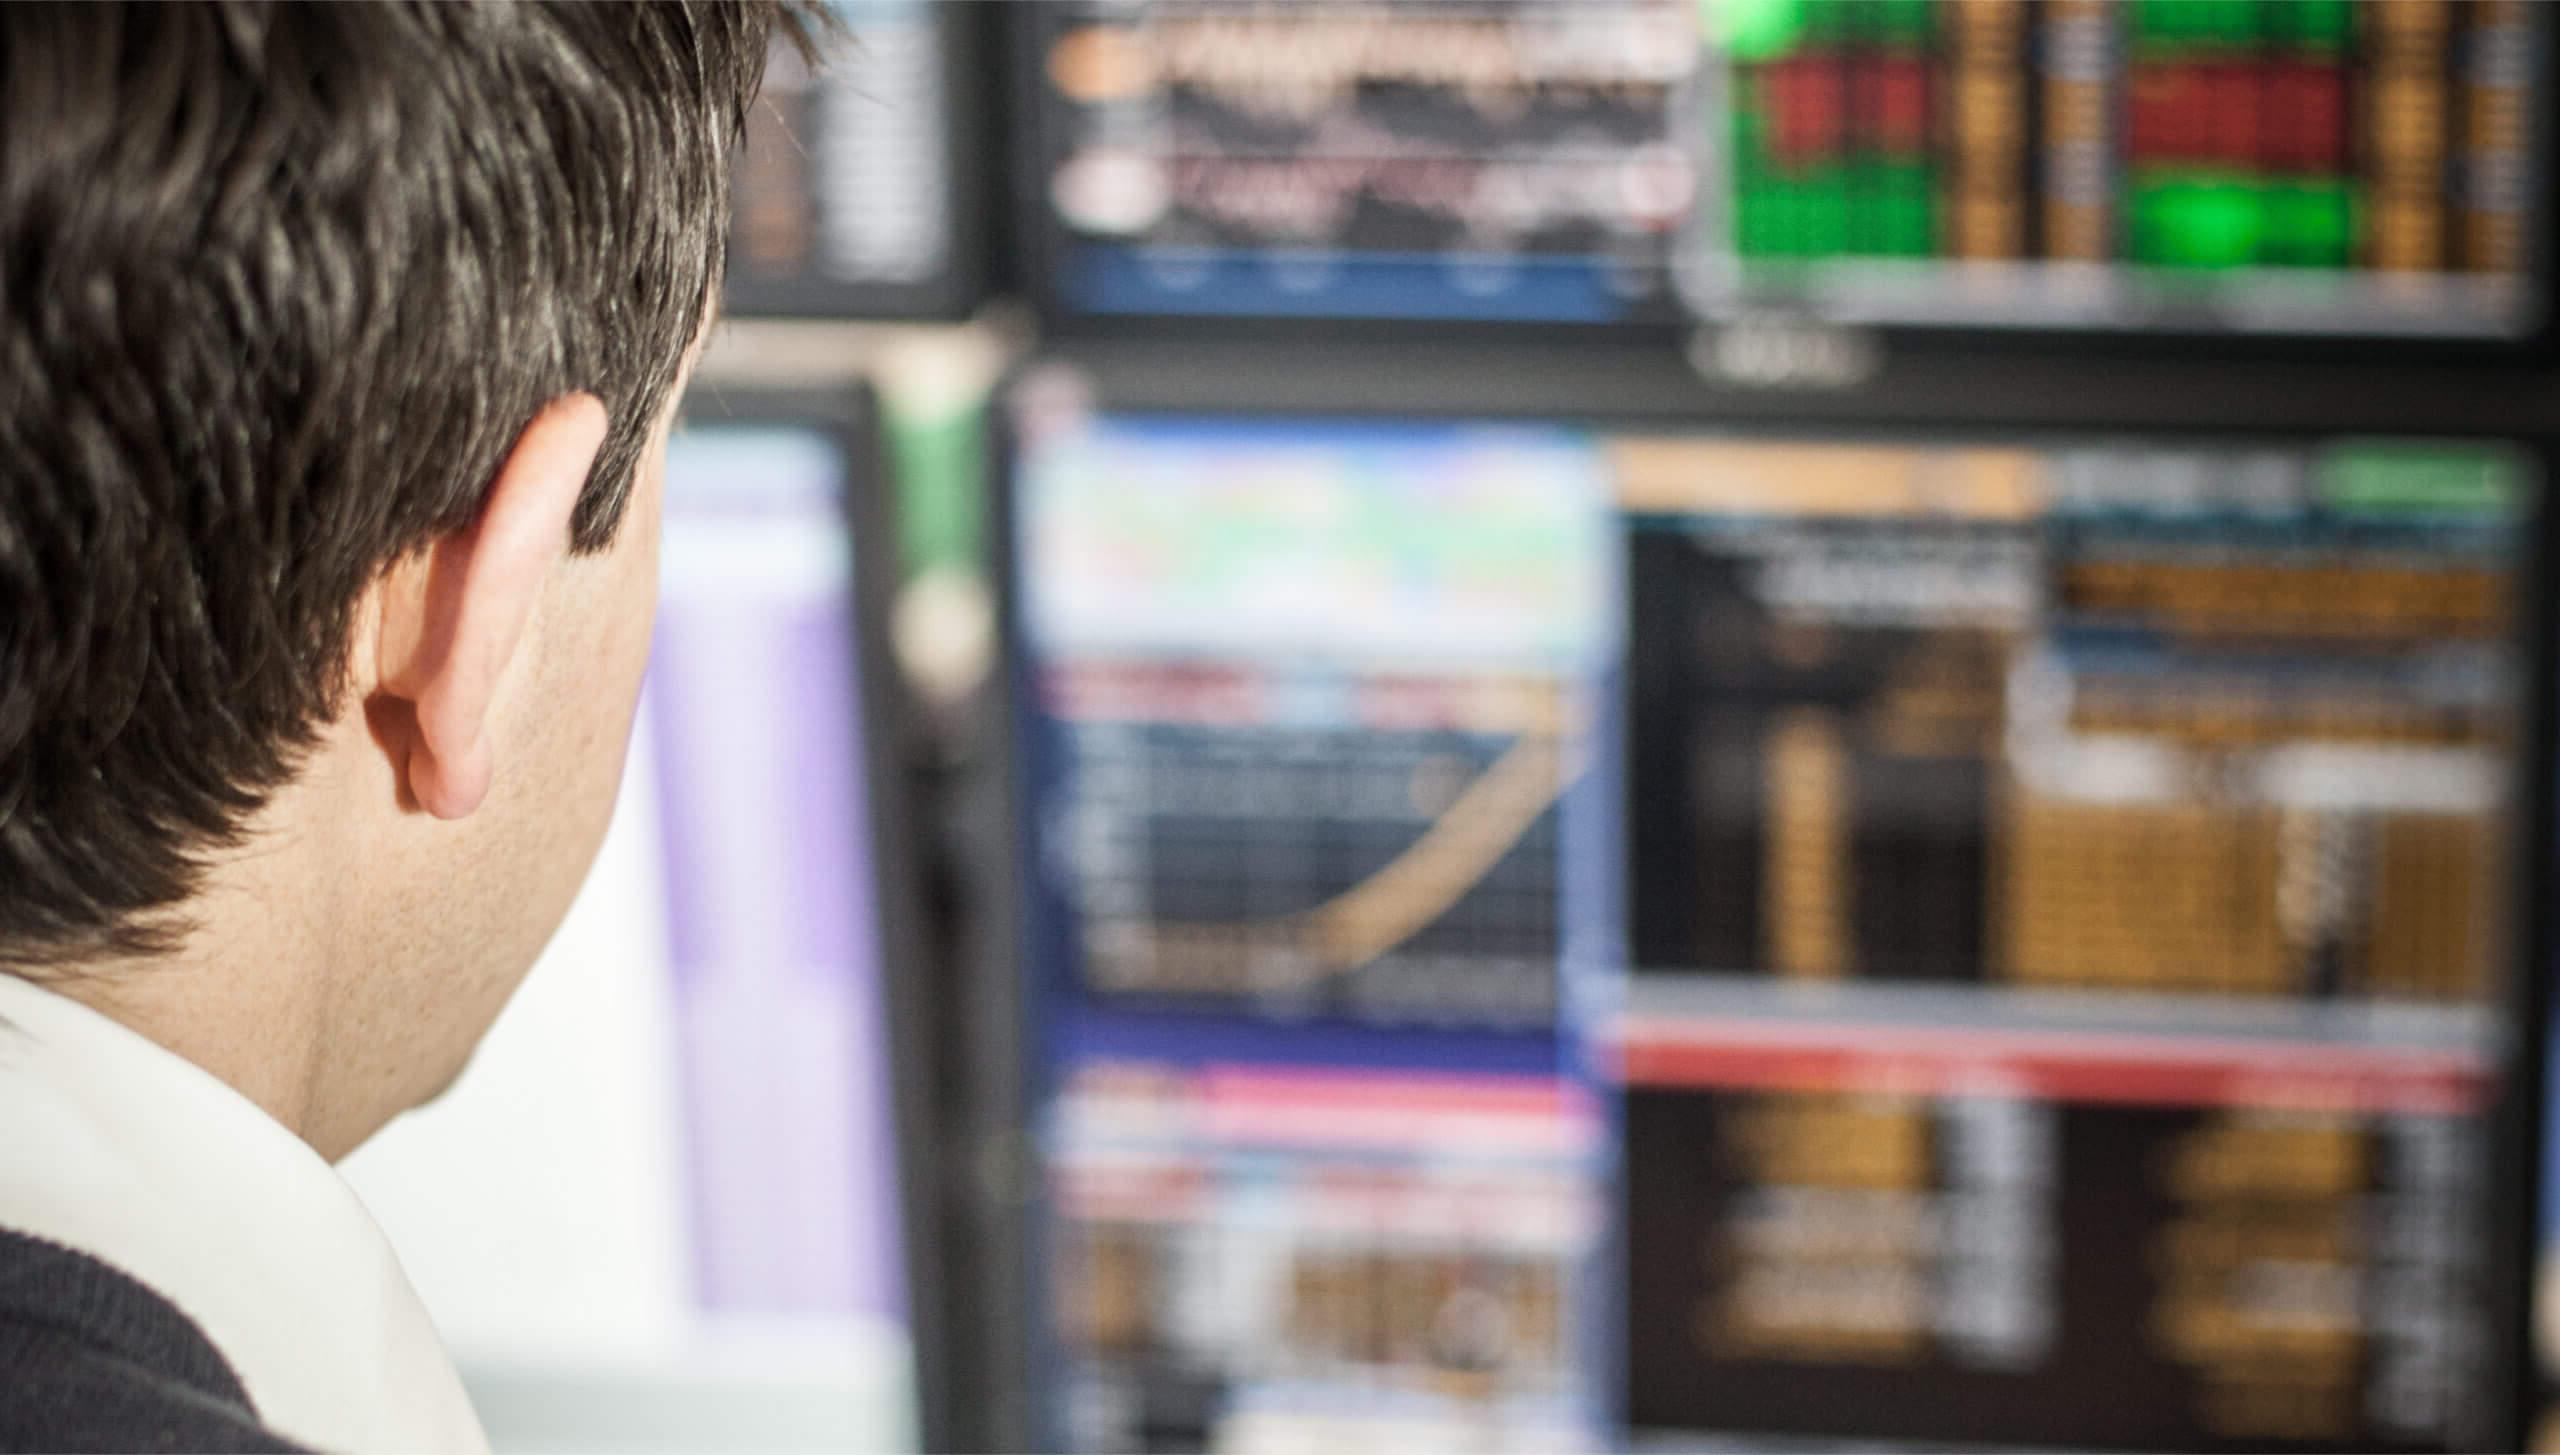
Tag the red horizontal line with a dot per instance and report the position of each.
(2062, 1066)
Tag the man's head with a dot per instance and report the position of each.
(338, 345)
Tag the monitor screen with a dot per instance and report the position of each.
(1413, 159)
(850, 197)
(1310, 718)
(2069, 936)
(1548, 934)
(2295, 166)
(773, 930)
(2285, 168)
(661, 1210)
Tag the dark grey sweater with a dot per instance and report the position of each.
(90, 1360)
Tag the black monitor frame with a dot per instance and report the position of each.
(1036, 243)
(994, 1310)
(848, 416)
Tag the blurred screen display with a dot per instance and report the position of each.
(844, 200)
(2071, 876)
(1965, 715)
(1252, 1254)
(2290, 166)
(2250, 166)
(1317, 718)
(1411, 159)
(2200, 1267)
(773, 931)
(2061, 879)
(1312, 729)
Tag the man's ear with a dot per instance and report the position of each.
(453, 621)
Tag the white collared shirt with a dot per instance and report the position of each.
(125, 1151)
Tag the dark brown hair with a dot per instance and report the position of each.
(280, 283)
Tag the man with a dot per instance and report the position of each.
(338, 349)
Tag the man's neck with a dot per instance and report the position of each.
(258, 1037)
(249, 995)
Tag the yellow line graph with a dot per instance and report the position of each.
(1486, 821)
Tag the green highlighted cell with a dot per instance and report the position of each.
(1828, 22)
(1892, 23)
(1758, 30)
(2205, 22)
(1756, 224)
(2313, 24)
(2418, 477)
(1910, 22)
(1895, 211)
(1750, 161)
(1825, 219)
(2204, 222)
(1808, 216)
(2310, 224)
(1909, 226)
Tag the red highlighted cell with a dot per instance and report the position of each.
(1808, 105)
(2169, 114)
(2233, 112)
(2306, 118)
(1901, 105)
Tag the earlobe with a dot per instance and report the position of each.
(450, 784)
(462, 619)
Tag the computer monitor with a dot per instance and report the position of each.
(2179, 166)
(858, 191)
(675, 1202)
(2286, 169)
(1563, 932)
(1314, 889)
(2073, 949)
(1418, 161)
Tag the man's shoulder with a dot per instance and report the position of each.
(90, 1359)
